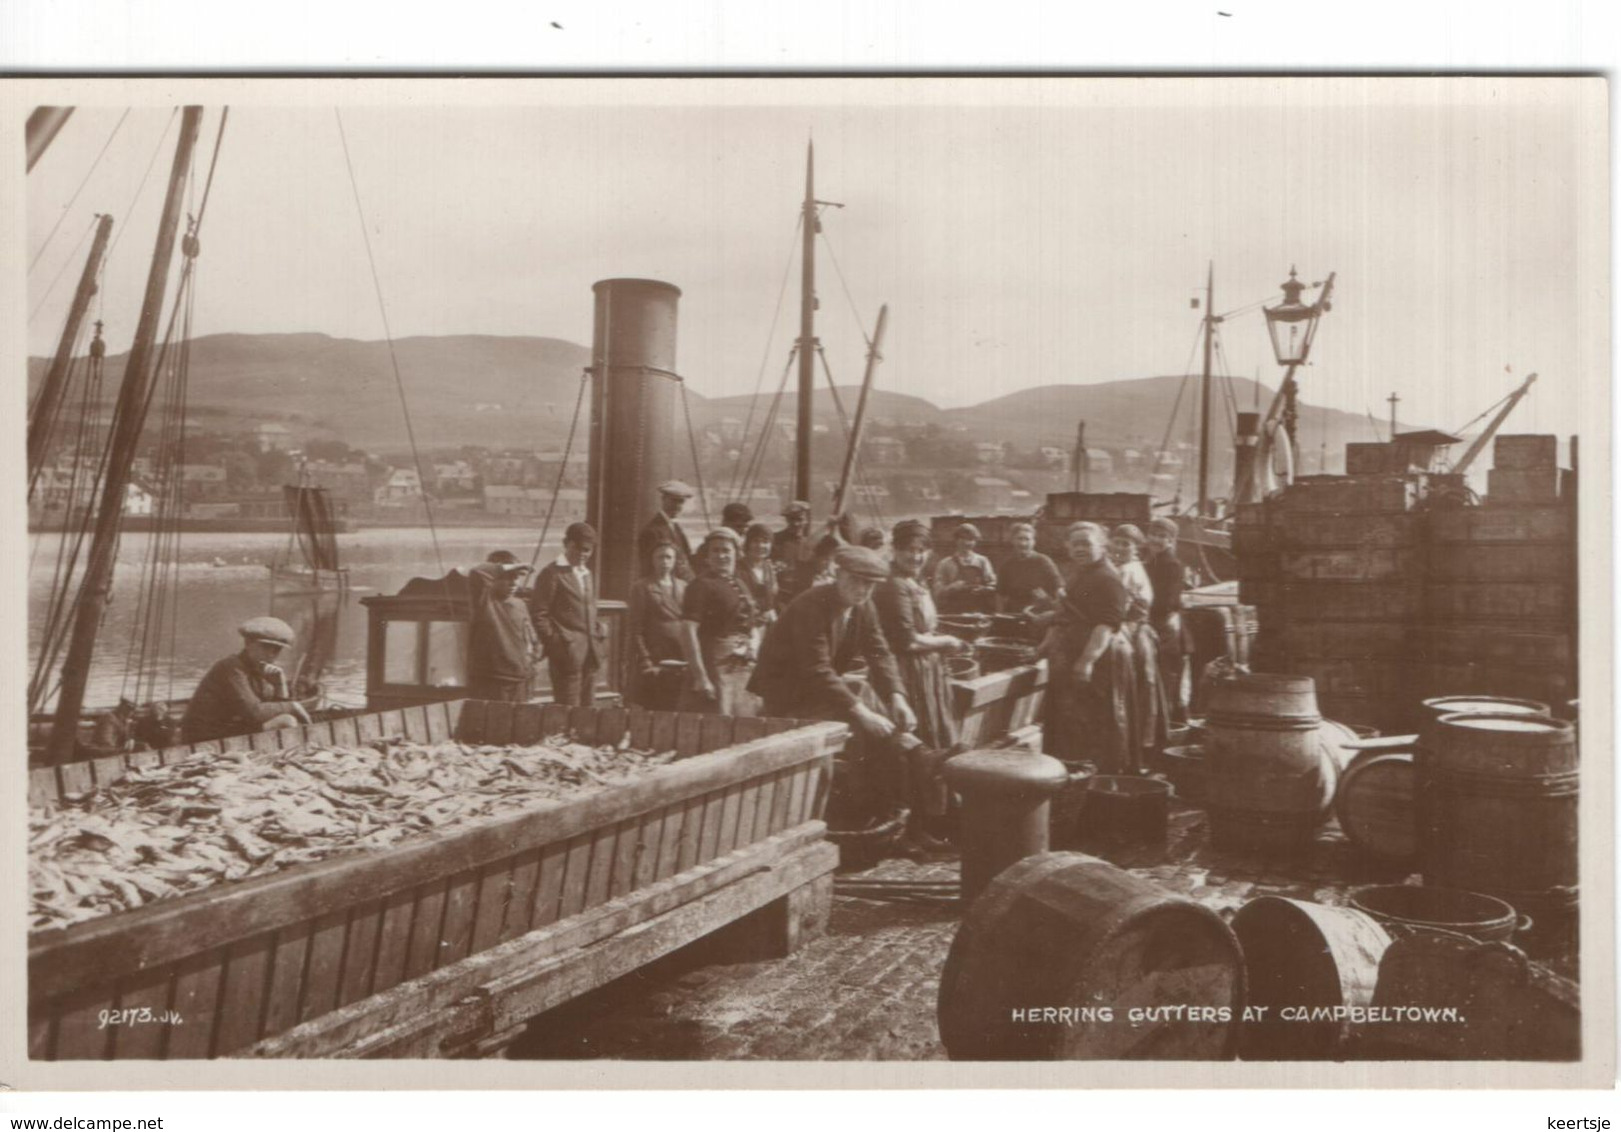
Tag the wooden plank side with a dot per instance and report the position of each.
(640, 729)
(108, 770)
(76, 778)
(368, 727)
(689, 728)
(453, 713)
(437, 717)
(360, 952)
(781, 803)
(345, 733)
(461, 905)
(417, 728)
(611, 725)
(323, 971)
(422, 953)
(628, 852)
(520, 900)
(714, 732)
(671, 823)
(604, 843)
(79, 1032)
(143, 1001)
(470, 726)
(549, 884)
(749, 727)
(286, 978)
(62, 959)
(661, 736)
(393, 940)
(264, 742)
(43, 789)
(526, 727)
(799, 792)
(582, 723)
(497, 724)
(197, 986)
(393, 723)
(709, 836)
(244, 994)
(750, 803)
(373, 1026)
(692, 828)
(576, 871)
(554, 719)
(731, 809)
(495, 892)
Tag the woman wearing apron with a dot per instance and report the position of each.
(1090, 678)
(719, 620)
(910, 623)
(1150, 720)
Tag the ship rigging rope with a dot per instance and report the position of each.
(1181, 390)
(756, 461)
(1490, 409)
(67, 261)
(68, 207)
(562, 470)
(129, 213)
(692, 442)
(765, 355)
(388, 334)
(849, 298)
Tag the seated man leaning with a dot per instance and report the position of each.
(246, 691)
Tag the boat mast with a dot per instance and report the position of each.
(1204, 392)
(807, 330)
(50, 393)
(874, 356)
(129, 420)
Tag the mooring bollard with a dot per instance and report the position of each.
(1006, 808)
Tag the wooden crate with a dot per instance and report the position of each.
(1310, 601)
(1541, 562)
(1351, 494)
(1544, 604)
(1525, 451)
(1353, 564)
(440, 946)
(1507, 522)
(1492, 644)
(1525, 485)
(992, 707)
(1350, 640)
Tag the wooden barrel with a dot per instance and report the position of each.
(1407, 907)
(1515, 1010)
(1184, 766)
(1066, 957)
(1375, 806)
(966, 626)
(1299, 955)
(1500, 809)
(1496, 705)
(962, 667)
(1125, 811)
(1269, 774)
(997, 653)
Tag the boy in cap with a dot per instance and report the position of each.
(501, 642)
(245, 691)
(663, 527)
(563, 607)
(792, 549)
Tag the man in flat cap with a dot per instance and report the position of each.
(501, 644)
(663, 527)
(563, 607)
(804, 661)
(245, 691)
(793, 550)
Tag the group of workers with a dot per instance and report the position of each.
(753, 621)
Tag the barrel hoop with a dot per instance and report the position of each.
(1504, 785)
(1237, 722)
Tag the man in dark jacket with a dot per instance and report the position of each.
(665, 527)
(563, 606)
(792, 549)
(246, 691)
(501, 642)
(801, 674)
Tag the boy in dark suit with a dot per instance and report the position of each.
(563, 605)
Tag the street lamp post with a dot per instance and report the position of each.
(1292, 326)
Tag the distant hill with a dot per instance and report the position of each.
(520, 392)
(462, 389)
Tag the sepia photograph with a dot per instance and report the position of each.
(900, 572)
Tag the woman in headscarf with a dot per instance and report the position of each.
(719, 620)
(1089, 681)
(907, 613)
(654, 628)
(1150, 718)
(759, 576)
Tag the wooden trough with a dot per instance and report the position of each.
(994, 708)
(449, 945)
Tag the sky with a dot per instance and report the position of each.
(1022, 233)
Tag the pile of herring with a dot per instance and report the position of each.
(164, 831)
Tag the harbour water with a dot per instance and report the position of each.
(212, 599)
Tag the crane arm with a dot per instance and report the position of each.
(1485, 437)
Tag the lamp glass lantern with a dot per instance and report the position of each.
(1292, 324)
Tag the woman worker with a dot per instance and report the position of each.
(654, 628)
(718, 623)
(965, 582)
(1090, 677)
(1029, 581)
(907, 614)
(1150, 717)
(759, 576)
